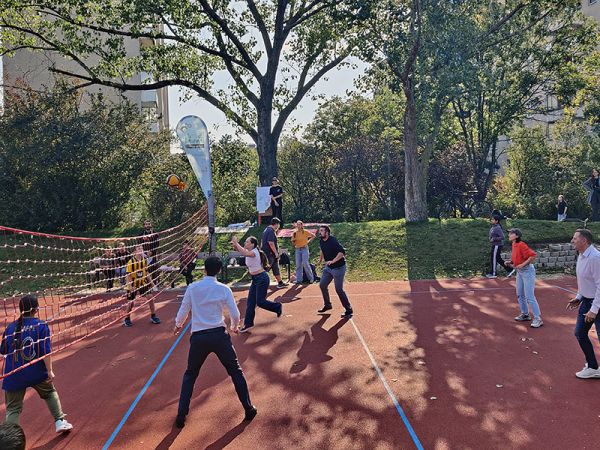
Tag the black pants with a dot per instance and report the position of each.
(109, 275)
(186, 271)
(496, 258)
(595, 209)
(277, 211)
(202, 344)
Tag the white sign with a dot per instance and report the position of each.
(263, 199)
(193, 134)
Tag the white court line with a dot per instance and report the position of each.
(370, 294)
(407, 424)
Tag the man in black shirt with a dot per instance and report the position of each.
(276, 193)
(333, 254)
(271, 249)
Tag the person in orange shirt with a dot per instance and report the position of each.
(522, 260)
(300, 239)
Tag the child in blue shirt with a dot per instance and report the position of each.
(24, 341)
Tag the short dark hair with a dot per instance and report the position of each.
(213, 266)
(12, 436)
(275, 221)
(587, 234)
(326, 228)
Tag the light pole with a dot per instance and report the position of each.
(193, 135)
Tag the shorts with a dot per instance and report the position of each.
(141, 291)
(274, 263)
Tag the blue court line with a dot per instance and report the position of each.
(407, 424)
(144, 389)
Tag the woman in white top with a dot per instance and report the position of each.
(256, 262)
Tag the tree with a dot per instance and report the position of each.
(428, 47)
(273, 51)
(64, 168)
(510, 78)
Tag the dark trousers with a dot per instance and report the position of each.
(496, 258)
(582, 329)
(337, 275)
(258, 296)
(595, 210)
(277, 211)
(109, 275)
(186, 271)
(202, 344)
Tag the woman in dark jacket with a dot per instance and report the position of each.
(592, 186)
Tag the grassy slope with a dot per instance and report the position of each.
(394, 250)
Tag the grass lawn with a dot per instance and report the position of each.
(395, 250)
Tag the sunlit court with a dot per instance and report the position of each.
(426, 364)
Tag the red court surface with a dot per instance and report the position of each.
(465, 374)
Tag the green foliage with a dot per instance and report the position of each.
(235, 167)
(541, 169)
(349, 166)
(65, 167)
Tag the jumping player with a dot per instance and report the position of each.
(138, 283)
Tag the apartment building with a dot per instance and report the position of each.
(32, 69)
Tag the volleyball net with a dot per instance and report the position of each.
(82, 283)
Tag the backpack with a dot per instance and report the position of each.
(314, 273)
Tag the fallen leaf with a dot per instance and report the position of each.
(432, 398)
(499, 385)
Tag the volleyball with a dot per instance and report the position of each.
(175, 182)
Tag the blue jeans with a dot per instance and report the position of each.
(526, 291)
(120, 273)
(582, 328)
(202, 344)
(303, 265)
(337, 275)
(258, 296)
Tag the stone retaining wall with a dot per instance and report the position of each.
(553, 256)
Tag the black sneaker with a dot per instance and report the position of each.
(324, 309)
(347, 315)
(245, 328)
(280, 312)
(282, 285)
(250, 414)
(180, 421)
(127, 322)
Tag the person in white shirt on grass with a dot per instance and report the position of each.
(587, 299)
(207, 299)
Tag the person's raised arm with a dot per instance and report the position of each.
(242, 250)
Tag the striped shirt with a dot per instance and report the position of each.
(137, 270)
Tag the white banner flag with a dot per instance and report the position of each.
(193, 134)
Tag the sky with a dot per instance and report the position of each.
(339, 82)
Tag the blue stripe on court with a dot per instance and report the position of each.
(407, 424)
(144, 389)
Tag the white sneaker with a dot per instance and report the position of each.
(537, 322)
(62, 426)
(588, 373)
(491, 275)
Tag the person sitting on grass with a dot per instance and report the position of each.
(522, 260)
(24, 341)
(139, 283)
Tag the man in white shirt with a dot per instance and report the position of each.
(207, 299)
(588, 299)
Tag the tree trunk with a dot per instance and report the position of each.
(415, 181)
(266, 147)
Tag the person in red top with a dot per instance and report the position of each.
(522, 260)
